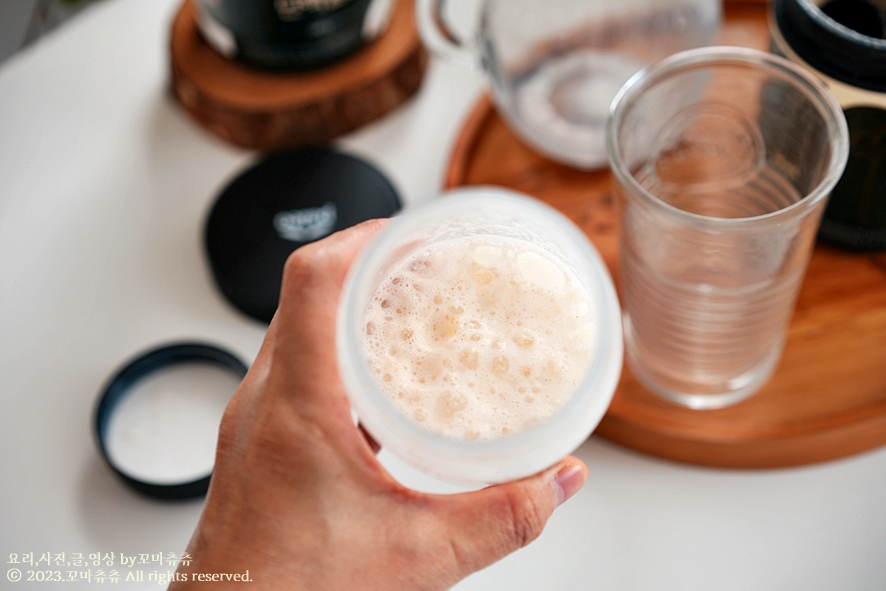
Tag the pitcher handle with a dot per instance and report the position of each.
(439, 37)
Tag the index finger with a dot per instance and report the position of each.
(306, 317)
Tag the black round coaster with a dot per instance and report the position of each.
(288, 199)
(132, 373)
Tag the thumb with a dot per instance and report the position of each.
(488, 524)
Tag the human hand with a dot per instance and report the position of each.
(298, 497)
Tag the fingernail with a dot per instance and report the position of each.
(568, 480)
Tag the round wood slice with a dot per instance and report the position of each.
(828, 397)
(269, 110)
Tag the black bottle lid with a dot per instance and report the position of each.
(286, 200)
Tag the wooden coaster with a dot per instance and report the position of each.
(268, 110)
(828, 397)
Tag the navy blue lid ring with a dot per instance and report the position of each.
(134, 372)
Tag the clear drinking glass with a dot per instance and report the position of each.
(497, 215)
(556, 65)
(724, 159)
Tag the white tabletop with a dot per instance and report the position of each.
(104, 188)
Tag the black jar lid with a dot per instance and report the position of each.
(287, 199)
(833, 49)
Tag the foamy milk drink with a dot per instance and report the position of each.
(479, 336)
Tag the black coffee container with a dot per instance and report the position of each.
(842, 42)
(290, 34)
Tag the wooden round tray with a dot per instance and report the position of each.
(266, 110)
(828, 396)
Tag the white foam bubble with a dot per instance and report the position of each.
(479, 337)
(540, 271)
